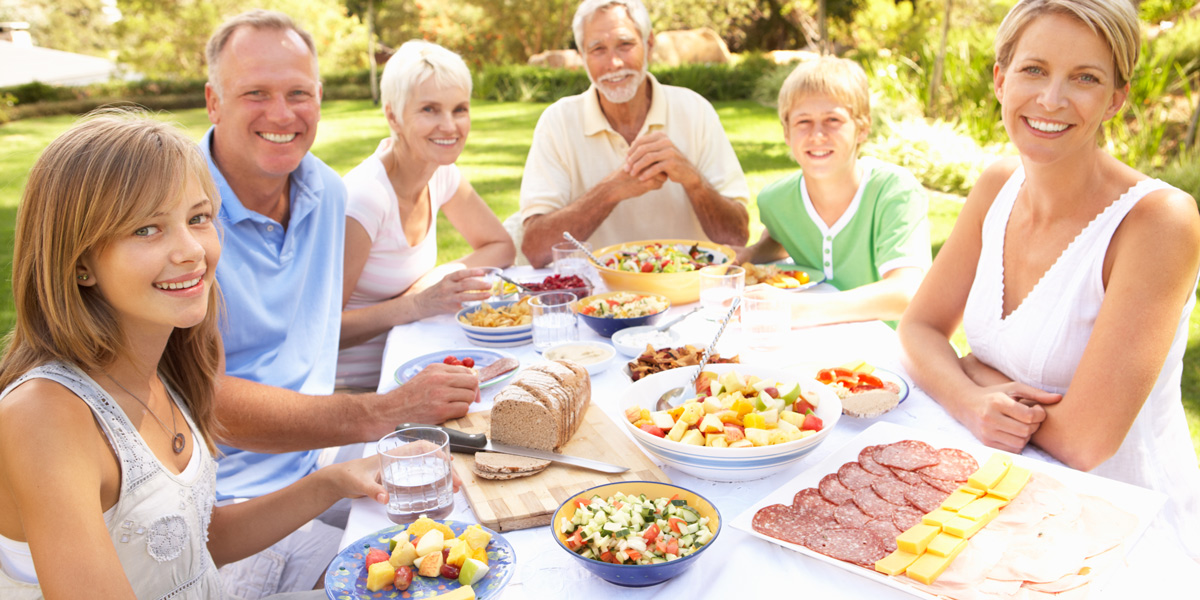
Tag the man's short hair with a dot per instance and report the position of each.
(637, 11)
(257, 19)
(415, 62)
(839, 78)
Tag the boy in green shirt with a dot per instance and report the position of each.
(863, 222)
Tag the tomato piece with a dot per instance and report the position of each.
(576, 540)
(587, 310)
(404, 576)
(846, 381)
(607, 556)
(870, 381)
(648, 267)
(825, 376)
(450, 360)
(651, 534)
(842, 372)
(675, 522)
(673, 546)
(375, 555)
(812, 422)
(618, 504)
(653, 430)
(468, 362)
(633, 554)
(582, 502)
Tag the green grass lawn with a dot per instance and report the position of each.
(493, 162)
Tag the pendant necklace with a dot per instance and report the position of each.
(178, 442)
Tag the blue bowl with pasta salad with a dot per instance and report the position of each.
(611, 312)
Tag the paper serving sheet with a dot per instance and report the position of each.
(1141, 503)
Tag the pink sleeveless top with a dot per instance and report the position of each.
(1042, 341)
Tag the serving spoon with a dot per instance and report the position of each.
(520, 286)
(570, 238)
(665, 402)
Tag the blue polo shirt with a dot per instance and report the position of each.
(282, 290)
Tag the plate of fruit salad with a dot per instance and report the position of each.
(452, 560)
(492, 366)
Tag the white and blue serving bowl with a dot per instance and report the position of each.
(728, 464)
(494, 337)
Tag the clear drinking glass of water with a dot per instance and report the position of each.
(415, 469)
(570, 260)
(554, 319)
(719, 285)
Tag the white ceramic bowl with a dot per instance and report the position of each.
(601, 357)
(495, 337)
(621, 340)
(728, 464)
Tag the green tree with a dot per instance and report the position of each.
(79, 26)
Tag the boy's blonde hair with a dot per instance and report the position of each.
(839, 78)
(97, 181)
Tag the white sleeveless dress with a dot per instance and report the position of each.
(1042, 341)
(159, 525)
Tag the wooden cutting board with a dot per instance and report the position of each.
(531, 501)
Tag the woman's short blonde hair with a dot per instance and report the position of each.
(102, 179)
(839, 78)
(415, 62)
(1115, 21)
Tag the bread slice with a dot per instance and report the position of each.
(520, 419)
(503, 476)
(550, 393)
(569, 383)
(583, 395)
(507, 464)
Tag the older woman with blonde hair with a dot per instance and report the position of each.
(391, 211)
(1072, 273)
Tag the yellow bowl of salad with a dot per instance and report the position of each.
(667, 267)
(611, 312)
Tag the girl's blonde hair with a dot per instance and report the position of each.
(100, 180)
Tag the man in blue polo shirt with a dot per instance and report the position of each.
(283, 219)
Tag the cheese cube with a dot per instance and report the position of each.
(982, 507)
(916, 538)
(895, 563)
(991, 472)
(938, 517)
(964, 527)
(1012, 484)
(930, 566)
(946, 545)
(957, 500)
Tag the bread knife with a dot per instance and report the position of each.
(461, 441)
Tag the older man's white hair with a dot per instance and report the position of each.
(415, 62)
(637, 11)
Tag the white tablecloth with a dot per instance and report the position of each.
(740, 565)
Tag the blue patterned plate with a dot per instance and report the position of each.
(481, 357)
(346, 578)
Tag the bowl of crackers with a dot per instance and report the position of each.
(497, 324)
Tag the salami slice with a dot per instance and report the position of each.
(909, 477)
(851, 545)
(908, 455)
(905, 517)
(849, 515)
(941, 484)
(925, 497)
(853, 476)
(809, 502)
(891, 490)
(870, 503)
(833, 491)
(781, 522)
(866, 459)
(954, 465)
(885, 531)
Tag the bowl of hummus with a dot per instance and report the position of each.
(593, 356)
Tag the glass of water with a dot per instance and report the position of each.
(554, 319)
(415, 468)
(719, 285)
(766, 321)
(570, 260)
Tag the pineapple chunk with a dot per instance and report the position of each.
(716, 440)
(480, 554)
(732, 382)
(758, 437)
(662, 419)
(677, 431)
(778, 436)
(459, 553)
(692, 411)
(712, 424)
(742, 443)
(477, 538)
(754, 420)
(381, 575)
(770, 417)
(712, 405)
(693, 437)
(792, 418)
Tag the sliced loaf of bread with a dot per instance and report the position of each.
(542, 407)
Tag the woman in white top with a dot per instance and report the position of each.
(107, 480)
(1073, 274)
(391, 211)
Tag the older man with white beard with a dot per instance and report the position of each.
(630, 158)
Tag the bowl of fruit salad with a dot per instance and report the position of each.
(667, 267)
(636, 533)
(611, 312)
(742, 423)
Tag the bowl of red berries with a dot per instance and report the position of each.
(574, 284)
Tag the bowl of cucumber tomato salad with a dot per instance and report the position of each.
(636, 533)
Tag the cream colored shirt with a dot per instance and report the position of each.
(575, 147)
